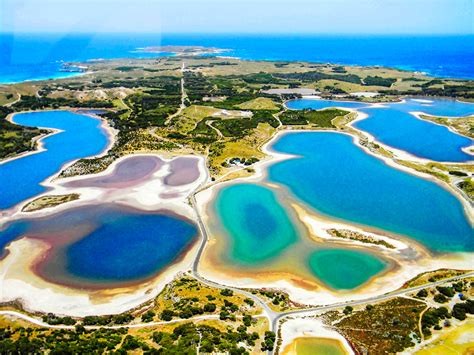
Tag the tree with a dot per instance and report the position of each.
(167, 315)
(422, 293)
(440, 298)
(148, 316)
(269, 341)
(348, 310)
(447, 291)
(227, 292)
(247, 320)
(209, 307)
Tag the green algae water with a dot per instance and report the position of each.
(344, 269)
(319, 346)
(258, 226)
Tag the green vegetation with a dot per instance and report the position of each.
(186, 297)
(388, 327)
(15, 139)
(237, 331)
(422, 293)
(239, 127)
(39, 103)
(446, 291)
(313, 76)
(40, 340)
(467, 186)
(320, 118)
(347, 310)
(461, 309)
(185, 338)
(432, 317)
(126, 68)
(352, 235)
(440, 298)
(49, 201)
(465, 91)
(269, 341)
(432, 276)
(379, 81)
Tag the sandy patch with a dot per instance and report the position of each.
(309, 327)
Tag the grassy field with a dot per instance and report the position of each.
(260, 103)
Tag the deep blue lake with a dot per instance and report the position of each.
(337, 178)
(81, 137)
(396, 127)
(445, 56)
(105, 243)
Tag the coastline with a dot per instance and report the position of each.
(110, 132)
(271, 158)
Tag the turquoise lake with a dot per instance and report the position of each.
(81, 137)
(394, 126)
(344, 269)
(259, 227)
(337, 178)
(103, 244)
(259, 232)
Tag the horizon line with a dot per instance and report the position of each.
(242, 33)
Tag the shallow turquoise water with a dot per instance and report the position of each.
(81, 137)
(394, 126)
(337, 178)
(344, 269)
(105, 244)
(258, 226)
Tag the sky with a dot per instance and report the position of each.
(239, 16)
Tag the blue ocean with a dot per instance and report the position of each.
(40, 56)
